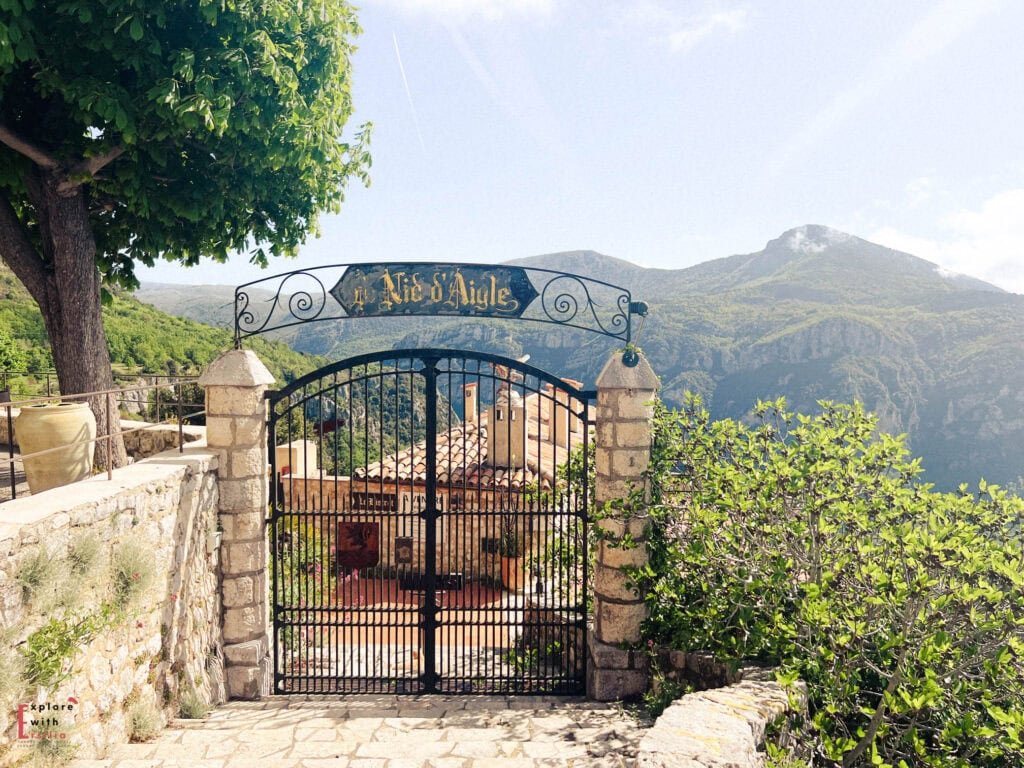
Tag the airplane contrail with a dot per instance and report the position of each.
(408, 94)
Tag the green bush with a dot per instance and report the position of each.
(808, 543)
(51, 649)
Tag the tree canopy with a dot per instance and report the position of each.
(201, 128)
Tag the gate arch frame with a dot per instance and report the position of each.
(325, 380)
(566, 299)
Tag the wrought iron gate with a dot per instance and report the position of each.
(429, 527)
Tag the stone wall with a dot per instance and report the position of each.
(157, 438)
(159, 638)
(722, 727)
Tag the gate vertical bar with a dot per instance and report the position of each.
(430, 519)
(274, 494)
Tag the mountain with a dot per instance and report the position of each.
(816, 314)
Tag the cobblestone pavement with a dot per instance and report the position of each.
(393, 732)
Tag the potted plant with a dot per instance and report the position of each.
(511, 548)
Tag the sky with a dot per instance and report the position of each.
(668, 133)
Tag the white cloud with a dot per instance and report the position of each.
(696, 31)
(934, 32)
(451, 11)
(664, 23)
(987, 243)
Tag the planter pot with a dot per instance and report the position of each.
(41, 427)
(513, 573)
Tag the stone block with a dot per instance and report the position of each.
(245, 683)
(615, 684)
(243, 526)
(633, 434)
(614, 584)
(620, 556)
(11, 607)
(619, 623)
(248, 654)
(250, 430)
(248, 462)
(244, 624)
(617, 527)
(243, 590)
(606, 434)
(219, 433)
(635, 404)
(609, 489)
(605, 656)
(630, 463)
(242, 495)
(235, 401)
(603, 460)
(245, 557)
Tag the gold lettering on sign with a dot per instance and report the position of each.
(410, 290)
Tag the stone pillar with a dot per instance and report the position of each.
(622, 451)
(236, 428)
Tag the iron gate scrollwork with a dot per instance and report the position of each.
(389, 289)
(428, 527)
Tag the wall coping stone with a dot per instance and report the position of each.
(236, 368)
(718, 728)
(30, 510)
(616, 375)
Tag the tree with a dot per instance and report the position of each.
(132, 130)
(809, 543)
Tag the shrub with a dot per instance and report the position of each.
(131, 572)
(40, 576)
(84, 554)
(50, 650)
(192, 705)
(144, 719)
(808, 543)
(52, 753)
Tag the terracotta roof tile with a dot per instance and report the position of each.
(462, 457)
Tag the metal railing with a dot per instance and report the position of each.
(48, 379)
(113, 398)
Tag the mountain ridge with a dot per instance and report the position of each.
(816, 314)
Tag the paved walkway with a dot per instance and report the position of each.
(393, 732)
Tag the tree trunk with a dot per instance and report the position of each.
(67, 290)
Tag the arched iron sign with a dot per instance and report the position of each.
(341, 291)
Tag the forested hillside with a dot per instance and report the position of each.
(141, 338)
(817, 314)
